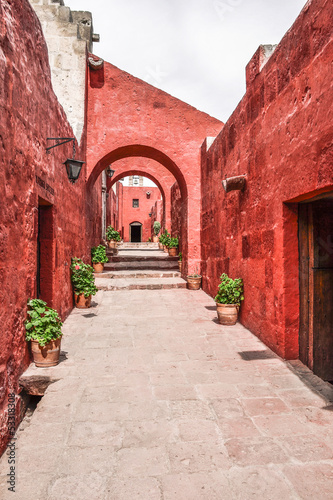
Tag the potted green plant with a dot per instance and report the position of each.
(194, 280)
(98, 258)
(83, 283)
(157, 228)
(172, 245)
(167, 237)
(228, 299)
(43, 331)
(180, 261)
(112, 237)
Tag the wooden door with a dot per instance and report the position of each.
(316, 286)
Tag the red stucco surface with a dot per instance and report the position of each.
(29, 113)
(280, 136)
(129, 118)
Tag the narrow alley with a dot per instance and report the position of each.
(154, 400)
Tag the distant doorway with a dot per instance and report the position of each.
(136, 232)
(316, 286)
(45, 248)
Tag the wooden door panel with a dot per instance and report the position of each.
(323, 323)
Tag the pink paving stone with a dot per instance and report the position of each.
(312, 482)
(264, 406)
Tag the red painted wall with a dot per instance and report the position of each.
(280, 136)
(138, 120)
(175, 211)
(140, 214)
(29, 113)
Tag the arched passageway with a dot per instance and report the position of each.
(129, 118)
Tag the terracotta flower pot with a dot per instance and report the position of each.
(112, 244)
(193, 283)
(173, 252)
(98, 267)
(155, 239)
(180, 265)
(227, 313)
(47, 355)
(165, 249)
(160, 246)
(81, 301)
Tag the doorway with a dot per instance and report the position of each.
(315, 231)
(136, 232)
(45, 243)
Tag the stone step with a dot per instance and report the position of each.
(143, 265)
(144, 245)
(142, 258)
(123, 274)
(139, 284)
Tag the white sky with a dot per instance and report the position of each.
(195, 50)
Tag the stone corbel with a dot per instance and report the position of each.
(237, 183)
(95, 64)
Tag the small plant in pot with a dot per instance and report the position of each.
(157, 228)
(112, 237)
(180, 261)
(194, 281)
(228, 299)
(83, 283)
(98, 258)
(172, 245)
(43, 331)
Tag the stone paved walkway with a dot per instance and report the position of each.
(159, 402)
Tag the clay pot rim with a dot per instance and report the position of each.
(193, 277)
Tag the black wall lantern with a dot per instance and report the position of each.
(110, 172)
(73, 167)
(150, 214)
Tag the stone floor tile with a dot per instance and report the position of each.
(149, 433)
(91, 486)
(173, 392)
(280, 425)
(267, 483)
(217, 391)
(87, 434)
(227, 408)
(198, 430)
(256, 451)
(196, 486)
(83, 460)
(191, 409)
(197, 457)
(142, 462)
(238, 427)
(263, 406)
(313, 481)
(307, 448)
(147, 488)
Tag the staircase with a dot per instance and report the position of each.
(139, 266)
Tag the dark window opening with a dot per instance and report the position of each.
(135, 203)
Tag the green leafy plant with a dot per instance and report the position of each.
(164, 238)
(112, 234)
(157, 227)
(149, 240)
(98, 255)
(43, 324)
(172, 242)
(230, 291)
(180, 257)
(82, 278)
